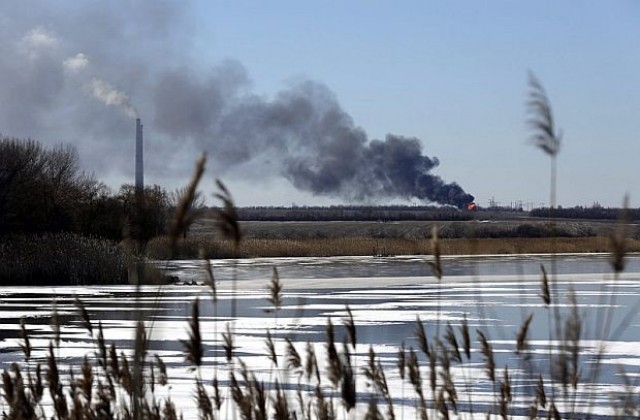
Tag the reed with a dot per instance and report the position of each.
(217, 248)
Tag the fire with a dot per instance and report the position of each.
(472, 206)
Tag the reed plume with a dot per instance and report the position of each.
(546, 294)
(294, 361)
(420, 334)
(487, 352)
(227, 216)
(275, 290)
(193, 346)
(184, 215)
(334, 369)
(545, 136)
(350, 325)
(521, 339)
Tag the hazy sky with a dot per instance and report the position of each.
(287, 97)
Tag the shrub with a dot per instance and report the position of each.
(61, 259)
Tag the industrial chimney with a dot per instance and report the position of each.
(139, 155)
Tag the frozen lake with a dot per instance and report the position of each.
(385, 295)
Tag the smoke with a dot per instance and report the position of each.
(74, 77)
(303, 133)
(112, 97)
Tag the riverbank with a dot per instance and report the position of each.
(324, 239)
(212, 248)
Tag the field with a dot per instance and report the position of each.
(320, 239)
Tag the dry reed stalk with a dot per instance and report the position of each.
(448, 386)
(102, 347)
(259, 400)
(433, 377)
(441, 405)
(86, 380)
(84, 315)
(573, 332)
(125, 378)
(311, 364)
(505, 394)
(347, 381)
(113, 367)
(334, 368)
(371, 369)
(294, 361)
(553, 411)
(436, 264)
(169, 410)
(373, 413)
(546, 294)
(205, 409)
(183, 217)
(139, 357)
(323, 409)
(271, 349)
(454, 349)
(414, 373)
(37, 385)
(618, 240)
(210, 281)
(193, 346)
(275, 291)
(541, 119)
(466, 337)
(541, 396)
(243, 402)
(521, 338)
(305, 409)
(350, 325)
(374, 373)
(163, 378)
(55, 324)
(227, 345)
(487, 352)
(53, 379)
(52, 375)
(152, 378)
(280, 404)
(402, 361)
(21, 405)
(423, 343)
(26, 344)
(217, 395)
(227, 216)
(106, 398)
(384, 389)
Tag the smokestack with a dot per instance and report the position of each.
(139, 157)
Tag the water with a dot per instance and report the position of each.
(385, 295)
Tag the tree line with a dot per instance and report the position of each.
(43, 190)
(352, 213)
(590, 213)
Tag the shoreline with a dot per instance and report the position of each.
(206, 246)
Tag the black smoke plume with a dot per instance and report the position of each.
(75, 77)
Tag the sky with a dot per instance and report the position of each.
(333, 102)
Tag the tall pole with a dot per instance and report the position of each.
(139, 157)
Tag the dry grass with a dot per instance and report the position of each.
(207, 247)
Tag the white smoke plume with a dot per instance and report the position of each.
(112, 97)
(77, 63)
(38, 41)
